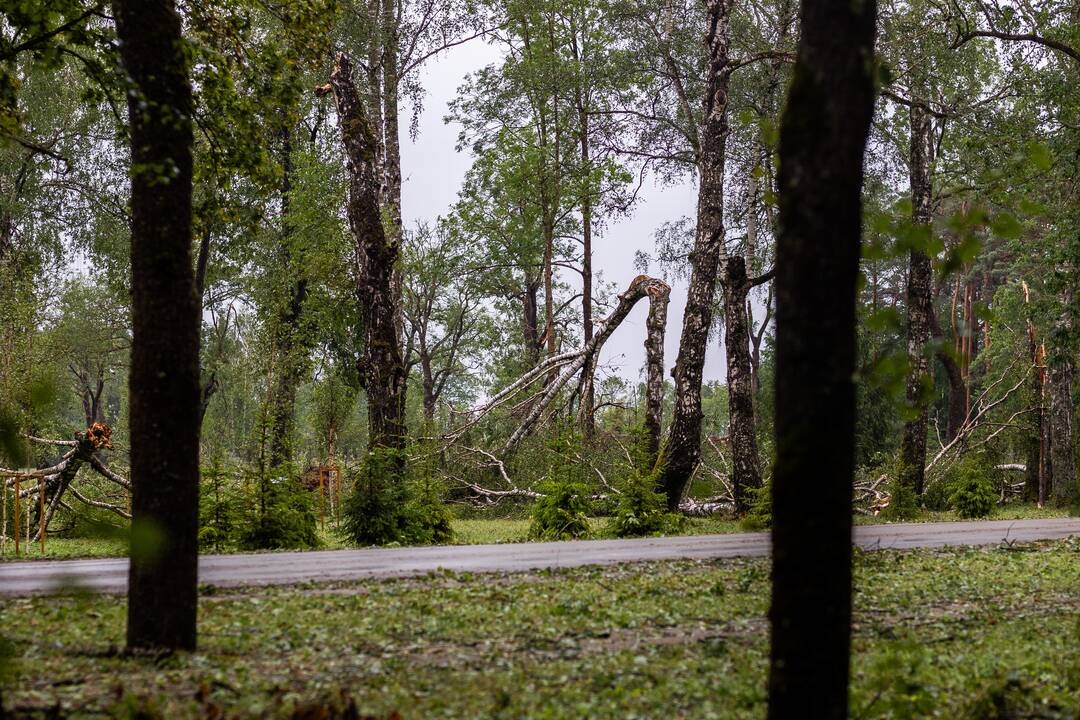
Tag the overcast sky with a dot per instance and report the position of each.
(433, 172)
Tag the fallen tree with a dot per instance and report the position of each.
(536, 395)
(57, 480)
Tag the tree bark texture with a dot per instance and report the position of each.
(682, 450)
(588, 400)
(919, 305)
(822, 140)
(1062, 450)
(382, 366)
(745, 465)
(1033, 467)
(164, 376)
(655, 326)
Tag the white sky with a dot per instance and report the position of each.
(433, 172)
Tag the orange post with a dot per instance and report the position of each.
(17, 512)
(41, 515)
(322, 504)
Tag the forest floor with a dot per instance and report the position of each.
(950, 633)
(475, 531)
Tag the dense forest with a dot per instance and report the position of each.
(223, 328)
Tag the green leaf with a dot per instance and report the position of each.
(1006, 226)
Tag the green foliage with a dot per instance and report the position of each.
(220, 510)
(642, 511)
(562, 512)
(903, 500)
(284, 514)
(383, 509)
(96, 524)
(971, 494)
(760, 515)
(936, 495)
(375, 509)
(937, 632)
(429, 520)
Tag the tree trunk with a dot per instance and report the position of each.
(382, 367)
(391, 146)
(641, 286)
(1033, 467)
(530, 323)
(919, 306)
(289, 347)
(1062, 450)
(822, 139)
(588, 396)
(164, 376)
(549, 289)
(655, 326)
(745, 467)
(683, 448)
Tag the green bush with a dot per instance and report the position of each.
(760, 515)
(561, 513)
(642, 511)
(220, 510)
(429, 521)
(903, 500)
(935, 496)
(972, 493)
(385, 507)
(283, 516)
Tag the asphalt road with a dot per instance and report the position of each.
(110, 575)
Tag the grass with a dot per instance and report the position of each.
(476, 531)
(959, 633)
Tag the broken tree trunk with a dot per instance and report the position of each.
(381, 365)
(654, 374)
(641, 286)
(58, 478)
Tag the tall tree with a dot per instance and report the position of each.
(164, 380)
(919, 297)
(683, 448)
(822, 140)
(375, 254)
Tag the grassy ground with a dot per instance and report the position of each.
(482, 531)
(961, 633)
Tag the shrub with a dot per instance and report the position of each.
(936, 495)
(760, 515)
(385, 507)
(219, 510)
(642, 511)
(561, 513)
(971, 492)
(284, 514)
(429, 521)
(903, 500)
